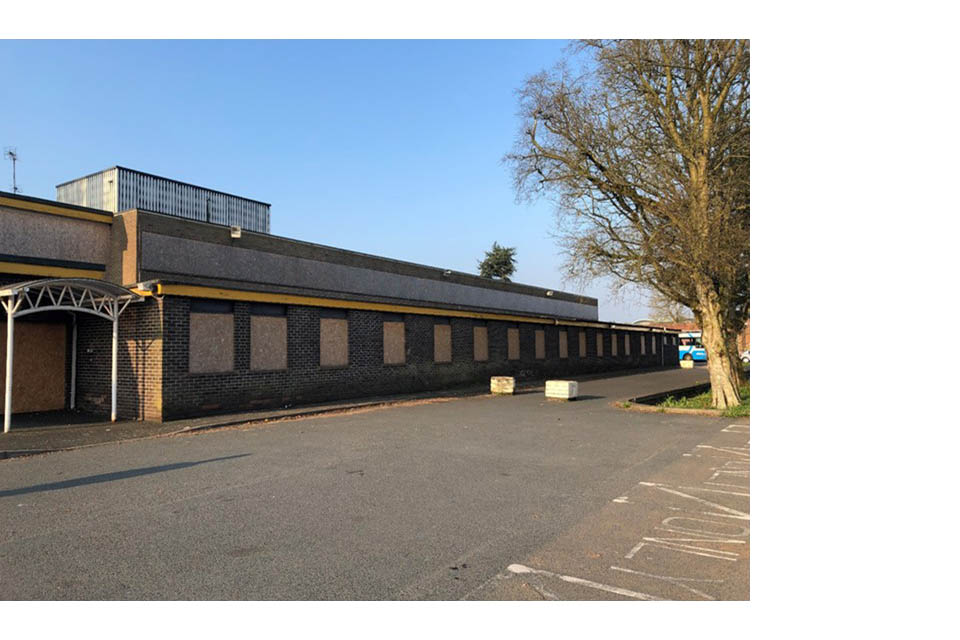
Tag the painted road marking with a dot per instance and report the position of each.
(736, 428)
(672, 544)
(686, 534)
(729, 512)
(701, 530)
(729, 493)
(736, 451)
(675, 581)
(637, 595)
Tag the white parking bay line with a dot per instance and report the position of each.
(736, 451)
(522, 569)
(675, 581)
(727, 511)
(736, 428)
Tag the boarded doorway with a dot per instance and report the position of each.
(39, 365)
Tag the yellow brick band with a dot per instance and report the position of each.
(50, 272)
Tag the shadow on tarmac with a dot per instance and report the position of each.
(110, 477)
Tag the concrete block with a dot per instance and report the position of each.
(686, 364)
(562, 389)
(502, 385)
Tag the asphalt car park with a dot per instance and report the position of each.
(513, 497)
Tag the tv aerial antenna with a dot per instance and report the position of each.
(11, 153)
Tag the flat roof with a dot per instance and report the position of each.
(55, 203)
(412, 268)
(285, 246)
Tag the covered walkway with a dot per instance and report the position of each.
(77, 295)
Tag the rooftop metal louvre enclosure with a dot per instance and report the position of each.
(119, 189)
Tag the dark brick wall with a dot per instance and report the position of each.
(305, 381)
(155, 383)
(138, 362)
(93, 365)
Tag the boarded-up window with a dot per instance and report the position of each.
(599, 344)
(540, 343)
(563, 344)
(513, 344)
(394, 343)
(614, 347)
(442, 343)
(334, 342)
(481, 347)
(268, 337)
(643, 345)
(626, 343)
(583, 344)
(211, 336)
(653, 342)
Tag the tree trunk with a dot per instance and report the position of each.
(733, 353)
(724, 383)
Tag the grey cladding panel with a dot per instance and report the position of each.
(28, 234)
(182, 256)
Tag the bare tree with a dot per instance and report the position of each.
(663, 309)
(646, 154)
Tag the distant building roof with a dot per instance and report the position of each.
(690, 325)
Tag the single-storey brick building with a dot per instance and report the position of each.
(212, 318)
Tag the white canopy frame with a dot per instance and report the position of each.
(84, 295)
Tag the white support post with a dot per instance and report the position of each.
(73, 366)
(8, 383)
(113, 369)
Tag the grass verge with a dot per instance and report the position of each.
(702, 401)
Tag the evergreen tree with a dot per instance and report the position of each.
(499, 263)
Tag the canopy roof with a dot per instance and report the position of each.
(99, 298)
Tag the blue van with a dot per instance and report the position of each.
(690, 347)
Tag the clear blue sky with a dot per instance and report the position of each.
(388, 147)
